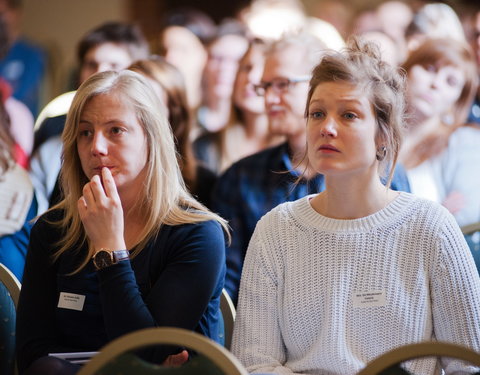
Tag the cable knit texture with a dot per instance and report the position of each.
(325, 296)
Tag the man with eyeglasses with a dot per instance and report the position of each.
(256, 184)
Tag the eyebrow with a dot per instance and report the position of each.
(354, 101)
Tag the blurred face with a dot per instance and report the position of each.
(284, 101)
(477, 37)
(341, 130)
(110, 135)
(107, 56)
(434, 90)
(249, 74)
(184, 51)
(222, 64)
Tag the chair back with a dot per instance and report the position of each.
(228, 313)
(213, 358)
(9, 293)
(388, 363)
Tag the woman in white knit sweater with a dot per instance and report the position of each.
(335, 279)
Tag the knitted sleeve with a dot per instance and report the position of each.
(455, 291)
(257, 338)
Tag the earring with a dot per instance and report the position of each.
(381, 153)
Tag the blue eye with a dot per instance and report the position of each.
(350, 116)
(316, 114)
(116, 130)
(85, 133)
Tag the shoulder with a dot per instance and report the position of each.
(285, 215)
(203, 231)
(253, 166)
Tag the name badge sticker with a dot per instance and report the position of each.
(374, 298)
(71, 301)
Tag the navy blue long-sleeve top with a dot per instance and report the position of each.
(176, 281)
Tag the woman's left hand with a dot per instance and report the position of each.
(101, 212)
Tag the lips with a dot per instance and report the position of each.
(328, 148)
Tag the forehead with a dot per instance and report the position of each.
(341, 92)
(108, 51)
(287, 62)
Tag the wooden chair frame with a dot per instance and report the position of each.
(418, 350)
(220, 356)
(11, 283)
(228, 312)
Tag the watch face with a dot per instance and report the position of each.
(102, 259)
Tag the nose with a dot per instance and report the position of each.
(99, 146)
(328, 128)
(271, 97)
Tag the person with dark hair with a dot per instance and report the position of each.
(170, 87)
(110, 46)
(335, 279)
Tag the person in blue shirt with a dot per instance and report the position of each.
(254, 185)
(24, 66)
(128, 248)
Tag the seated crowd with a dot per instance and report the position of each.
(301, 174)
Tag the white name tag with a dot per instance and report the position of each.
(71, 301)
(369, 299)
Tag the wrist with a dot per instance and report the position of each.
(105, 257)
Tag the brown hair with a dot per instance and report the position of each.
(171, 81)
(360, 64)
(442, 52)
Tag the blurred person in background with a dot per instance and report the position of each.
(247, 131)
(224, 54)
(18, 204)
(24, 65)
(471, 23)
(169, 85)
(185, 33)
(442, 80)
(110, 46)
(435, 20)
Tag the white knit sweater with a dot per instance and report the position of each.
(325, 296)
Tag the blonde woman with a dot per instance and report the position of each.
(128, 247)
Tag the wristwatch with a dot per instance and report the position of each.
(105, 258)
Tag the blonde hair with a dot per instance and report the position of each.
(164, 199)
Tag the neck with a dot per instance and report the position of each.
(353, 197)
(255, 125)
(416, 141)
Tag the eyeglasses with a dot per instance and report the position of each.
(278, 85)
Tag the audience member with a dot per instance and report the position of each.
(442, 80)
(111, 46)
(126, 236)
(472, 26)
(224, 54)
(169, 84)
(279, 174)
(18, 202)
(335, 279)
(24, 65)
(247, 130)
(435, 21)
(18, 205)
